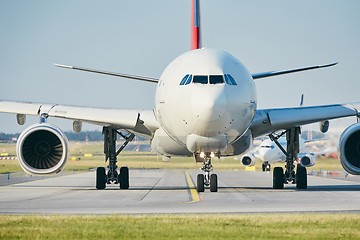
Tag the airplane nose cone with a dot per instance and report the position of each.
(208, 107)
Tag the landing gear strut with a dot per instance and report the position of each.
(279, 177)
(266, 167)
(112, 176)
(207, 179)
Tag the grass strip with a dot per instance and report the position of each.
(148, 160)
(153, 162)
(199, 226)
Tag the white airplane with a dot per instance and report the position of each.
(268, 152)
(205, 107)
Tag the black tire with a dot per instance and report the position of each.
(200, 187)
(263, 167)
(124, 178)
(301, 177)
(213, 183)
(278, 178)
(100, 178)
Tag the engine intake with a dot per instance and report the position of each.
(247, 161)
(349, 148)
(42, 149)
(307, 159)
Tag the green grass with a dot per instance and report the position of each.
(8, 148)
(255, 226)
(153, 162)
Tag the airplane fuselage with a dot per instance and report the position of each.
(270, 152)
(205, 100)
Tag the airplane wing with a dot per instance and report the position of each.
(276, 73)
(270, 120)
(138, 121)
(123, 75)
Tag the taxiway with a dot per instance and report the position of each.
(172, 191)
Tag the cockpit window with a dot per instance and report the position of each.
(215, 79)
(186, 80)
(205, 79)
(183, 81)
(200, 79)
(230, 80)
(266, 146)
(227, 80)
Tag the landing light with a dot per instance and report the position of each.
(202, 154)
(212, 155)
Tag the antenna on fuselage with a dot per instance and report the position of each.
(302, 100)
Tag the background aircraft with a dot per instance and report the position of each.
(268, 152)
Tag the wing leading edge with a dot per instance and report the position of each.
(276, 73)
(134, 77)
(270, 120)
(140, 121)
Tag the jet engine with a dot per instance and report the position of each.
(307, 160)
(349, 149)
(247, 161)
(42, 149)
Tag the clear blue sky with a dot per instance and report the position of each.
(142, 37)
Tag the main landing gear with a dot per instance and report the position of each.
(279, 177)
(207, 179)
(112, 176)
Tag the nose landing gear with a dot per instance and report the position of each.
(266, 167)
(207, 179)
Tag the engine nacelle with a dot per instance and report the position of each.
(248, 161)
(324, 126)
(307, 160)
(349, 149)
(42, 149)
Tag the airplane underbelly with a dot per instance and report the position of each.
(196, 143)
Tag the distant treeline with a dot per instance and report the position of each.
(313, 135)
(91, 136)
(4, 137)
(94, 136)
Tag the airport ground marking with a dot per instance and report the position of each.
(194, 194)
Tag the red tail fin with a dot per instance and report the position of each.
(195, 25)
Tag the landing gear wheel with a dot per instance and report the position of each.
(200, 187)
(112, 176)
(301, 177)
(124, 178)
(278, 178)
(263, 167)
(100, 178)
(213, 183)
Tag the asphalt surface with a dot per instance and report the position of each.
(172, 191)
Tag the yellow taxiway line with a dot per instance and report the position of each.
(194, 194)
